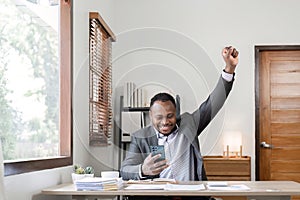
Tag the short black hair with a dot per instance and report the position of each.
(162, 97)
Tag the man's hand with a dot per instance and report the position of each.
(231, 58)
(150, 167)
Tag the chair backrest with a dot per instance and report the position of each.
(2, 190)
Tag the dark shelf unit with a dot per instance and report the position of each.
(123, 146)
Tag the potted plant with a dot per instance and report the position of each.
(78, 173)
(89, 171)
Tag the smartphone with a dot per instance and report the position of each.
(160, 149)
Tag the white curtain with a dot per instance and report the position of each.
(2, 190)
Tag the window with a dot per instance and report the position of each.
(36, 82)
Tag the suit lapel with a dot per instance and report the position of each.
(153, 138)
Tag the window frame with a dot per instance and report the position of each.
(66, 85)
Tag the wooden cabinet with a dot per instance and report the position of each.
(219, 168)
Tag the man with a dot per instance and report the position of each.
(179, 136)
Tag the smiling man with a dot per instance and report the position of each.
(177, 135)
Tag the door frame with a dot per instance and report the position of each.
(258, 49)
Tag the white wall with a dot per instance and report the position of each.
(171, 45)
(176, 45)
(100, 158)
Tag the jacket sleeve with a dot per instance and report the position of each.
(209, 108)
(131, 165)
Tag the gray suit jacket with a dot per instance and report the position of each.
(191, 125)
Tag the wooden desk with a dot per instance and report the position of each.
(259, 190)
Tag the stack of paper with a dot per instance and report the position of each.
(168, 186)
(96, 183)
(220, 185)
(153, 181)
(217, 184)
(177, 187)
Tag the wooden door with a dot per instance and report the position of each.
(279, 115)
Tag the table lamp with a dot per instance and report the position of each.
(232, 141)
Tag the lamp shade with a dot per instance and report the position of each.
(233, 139)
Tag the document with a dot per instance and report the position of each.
(145, 187)
(168, 186)
(96, 183)
(152, 181)
(178, 187)
(164, 180)
(218, 185)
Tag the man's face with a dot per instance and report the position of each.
(163, 116)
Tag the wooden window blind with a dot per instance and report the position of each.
(100, 81)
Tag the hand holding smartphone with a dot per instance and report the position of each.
(160, 149)
(153, 166)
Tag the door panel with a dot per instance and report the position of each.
(285, 176)
(283, 166)
(287, 140)
(285, 115)
(289, 154)
(285, 128)
(284, 90)
(279, 115)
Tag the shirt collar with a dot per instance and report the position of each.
(160, 135)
